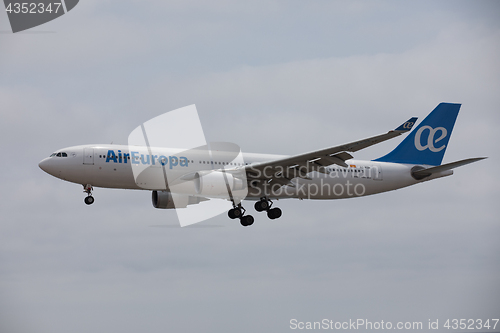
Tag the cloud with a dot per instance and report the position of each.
(276, 79)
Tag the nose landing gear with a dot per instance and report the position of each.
(89, 199)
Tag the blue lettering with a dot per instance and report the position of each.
(135, 159)
(146, 159)
(111, 156)
(173, 161)
(142, 159)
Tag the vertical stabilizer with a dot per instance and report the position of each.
(427, 143)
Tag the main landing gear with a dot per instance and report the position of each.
(89, 199)
(238, 212)
(265, 204)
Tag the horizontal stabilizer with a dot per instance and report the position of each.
(423, 173)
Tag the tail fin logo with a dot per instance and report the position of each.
(430, 138)
(408, 125)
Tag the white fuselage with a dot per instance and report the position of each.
(111, 166)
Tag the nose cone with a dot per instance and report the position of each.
(45, 165)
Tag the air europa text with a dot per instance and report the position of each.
(146, 159)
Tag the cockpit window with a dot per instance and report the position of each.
(53, 154)
(58, 154)
(64, 155)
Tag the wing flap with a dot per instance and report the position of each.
(338, 159)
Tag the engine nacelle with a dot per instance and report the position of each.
(162, 199)
(167, 200)
(215, 183)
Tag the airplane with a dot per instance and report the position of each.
(330, 173)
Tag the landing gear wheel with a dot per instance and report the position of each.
(234, 213)
(274, 213)
(261, 205)
(246, 220)
(89, 200)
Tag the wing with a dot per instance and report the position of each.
(285, 169)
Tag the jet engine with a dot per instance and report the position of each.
(168, 200)
(162, 199)
(216, 183)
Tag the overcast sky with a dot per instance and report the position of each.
(280, 77)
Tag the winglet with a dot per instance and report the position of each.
(407, 125)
